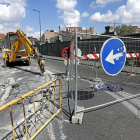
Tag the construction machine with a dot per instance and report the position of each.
(15, 52)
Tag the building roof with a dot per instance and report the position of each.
(2, 35)
(134, 35)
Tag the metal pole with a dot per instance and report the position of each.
(59, 29)
(40, 31)
(40, 27)
(59, 33)
(139, 58)
(76, 73)
(67, 67)
(95, 63)
(109, 103)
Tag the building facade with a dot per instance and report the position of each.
(2, 36)
(79, 29)
(90, 30)
(137, 29)
(50, 33)
(72, 29)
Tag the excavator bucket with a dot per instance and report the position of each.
(41, 63)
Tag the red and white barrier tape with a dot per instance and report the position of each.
(131, 55)
(90, 56)
(96, 56)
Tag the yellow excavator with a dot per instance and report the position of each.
(13, 53)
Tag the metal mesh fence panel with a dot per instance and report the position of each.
(89, 68)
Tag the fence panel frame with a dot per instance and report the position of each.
(8, 105)
(76, 75)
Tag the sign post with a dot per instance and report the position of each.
(113, 56)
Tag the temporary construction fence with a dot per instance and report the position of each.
(47, 114)
(86, 52)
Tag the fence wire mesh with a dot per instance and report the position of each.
(90, 70)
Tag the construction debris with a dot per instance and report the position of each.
(99, 85)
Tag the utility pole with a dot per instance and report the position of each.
(40, 27)
(59, 29)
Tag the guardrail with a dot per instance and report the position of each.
(8, 105)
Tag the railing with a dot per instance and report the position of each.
(56, 108)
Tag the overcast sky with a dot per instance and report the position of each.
(18, 14)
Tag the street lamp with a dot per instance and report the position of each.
(40, 27)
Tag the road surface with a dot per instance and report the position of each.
(116, 122)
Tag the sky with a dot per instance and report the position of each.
(19, 14)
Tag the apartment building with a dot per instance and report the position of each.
(32, 39)
(72, 29)
(2, 36)
(50, 33)
(79, 29)
(137, 29)
(90, 30)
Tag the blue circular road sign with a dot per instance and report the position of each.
(113, 56)
(66, 53)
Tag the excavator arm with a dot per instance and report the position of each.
(31, 51)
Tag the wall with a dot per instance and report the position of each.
(53, 49)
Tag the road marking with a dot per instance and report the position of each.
(63, 137)
(127, 104)
(51, 131)
(135, 101)
(66, 120)
(50, 127)
(60, 123)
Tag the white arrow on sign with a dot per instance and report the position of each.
(110, 58)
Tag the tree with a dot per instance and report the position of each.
(124, 30)
(43, 38)
(66, 36)
(37, 42)
(53, 39)
(2, 41)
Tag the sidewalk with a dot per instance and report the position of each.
(127, 69)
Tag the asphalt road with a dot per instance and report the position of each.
(116, 122)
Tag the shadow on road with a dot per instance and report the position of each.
(25, 70)
(59, 74)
